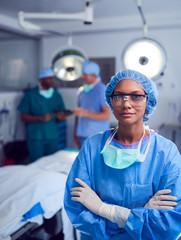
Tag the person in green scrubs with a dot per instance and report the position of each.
(41, 109)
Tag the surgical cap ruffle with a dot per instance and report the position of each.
(89, 67)
(148, 85)
(46, 72)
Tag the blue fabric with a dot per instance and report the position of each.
(46, 72)
(92, 101)
(148, 85)
(131, 187)
(33, 212)
(89, 67)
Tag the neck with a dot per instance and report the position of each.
(130, 134)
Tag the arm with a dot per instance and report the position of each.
(82, 218)
(103, 115)
(86, 196)
(76, 138)
(28, 118)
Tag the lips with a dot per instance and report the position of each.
(125, 114)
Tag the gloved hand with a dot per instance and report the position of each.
(86, 196)
(162, 201)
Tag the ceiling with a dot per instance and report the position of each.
(104, 9)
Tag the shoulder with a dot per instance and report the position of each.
(80, 90)
(167, 149)
(163, 142)
(57, 93)
(101, 86)
(31, 91)
(97, 139)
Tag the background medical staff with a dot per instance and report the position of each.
(92, 114)
(119, 183)
(41, 111)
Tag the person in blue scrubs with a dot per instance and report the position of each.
(92, 114)
(41, 109)
(125, 182)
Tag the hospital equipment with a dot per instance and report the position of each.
(67, 64)
(145, 54)
(86, 16)
(31, 194)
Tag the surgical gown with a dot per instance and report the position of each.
(131, 187)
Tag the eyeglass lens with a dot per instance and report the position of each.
(134, 99)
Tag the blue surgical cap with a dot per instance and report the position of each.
(147, 84)
(91, 68)
(46, 72)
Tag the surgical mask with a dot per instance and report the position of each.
(88, 87)
(122, 158)
(47, 93)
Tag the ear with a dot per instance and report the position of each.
(94, 75)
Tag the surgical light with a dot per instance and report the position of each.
(67, 64)
(146, 56)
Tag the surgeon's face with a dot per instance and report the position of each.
(128, 111)
(89, 78)
(47, 82)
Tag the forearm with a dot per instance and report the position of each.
(100, 116)
(30, 118)
(75, 126)
(115, 214)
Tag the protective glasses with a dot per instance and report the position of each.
(134, 99)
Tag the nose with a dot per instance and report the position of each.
(126, 103)
(125, 98)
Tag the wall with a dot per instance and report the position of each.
(111, 44)
(19, 63)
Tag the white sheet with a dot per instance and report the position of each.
(60, 161)
(22, 187)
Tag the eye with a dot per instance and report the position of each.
(117, 97)
(136, 97)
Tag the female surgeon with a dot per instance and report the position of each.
(120, 183)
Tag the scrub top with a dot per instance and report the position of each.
(131, 187)
(92, 101)
(35, 104)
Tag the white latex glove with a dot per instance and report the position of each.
(161, 200)
(86, 196)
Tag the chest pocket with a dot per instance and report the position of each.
(136, 195)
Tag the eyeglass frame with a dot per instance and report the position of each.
(129, 94)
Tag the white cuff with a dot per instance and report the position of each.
(121, 215)
(107, 211)
(115, 214)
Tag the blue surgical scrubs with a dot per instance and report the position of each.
(92, 101)
(131, 187)
(42, 137)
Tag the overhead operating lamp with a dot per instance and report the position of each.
(145, 54)
(67, 63)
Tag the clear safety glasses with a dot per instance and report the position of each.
(133, 99)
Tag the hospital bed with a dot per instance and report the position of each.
(32, 195)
